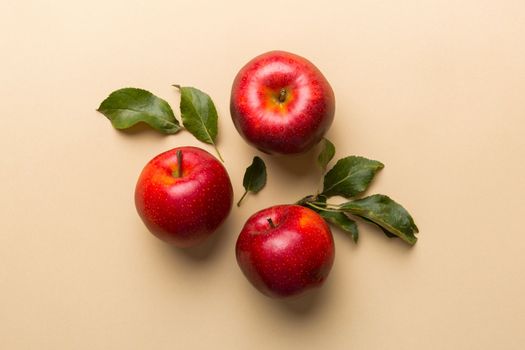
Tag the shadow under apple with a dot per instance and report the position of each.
(306, 304)
(210, 248)
(301, 307)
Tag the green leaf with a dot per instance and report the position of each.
(388, 234)
(342, 221)
(254, 177)
(129, 106)
(199, 115)
(350, 176)
(326, 155)
(385, 212)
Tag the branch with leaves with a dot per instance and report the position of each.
(349, 178)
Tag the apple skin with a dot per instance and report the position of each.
(185, 210)
(294, 256)
(288, 124)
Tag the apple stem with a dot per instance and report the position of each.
(282, 95)
(272, 225)
(240, 200)
(179, 163)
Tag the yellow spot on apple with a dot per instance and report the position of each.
(307, 218)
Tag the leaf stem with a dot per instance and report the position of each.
(270, 221)
(323, 209)
(240, 200)
(218, 153)
(337, 206)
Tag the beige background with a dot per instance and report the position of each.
(433, 88)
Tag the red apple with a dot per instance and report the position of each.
(281, 103)
(183, 195)
(285, 250)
